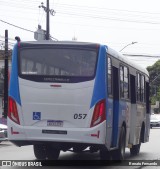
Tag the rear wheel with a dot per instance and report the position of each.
(120, 153)
(42, 152)
(39, 151)
(52, 153)
(135, 149)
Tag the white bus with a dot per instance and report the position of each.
(77, 96)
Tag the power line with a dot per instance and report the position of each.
(8, 42)
(116, 11)
(103, 17)
(23, 28)
(18, 5)
(16, 26)
(112, 10)
(25, 3)
(53, 38)
(22, 5)
(107, 18)
(8, 38)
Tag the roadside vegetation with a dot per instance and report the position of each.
(154, 72)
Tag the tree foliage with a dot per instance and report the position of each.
(154, 72)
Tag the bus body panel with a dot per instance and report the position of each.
(66, 103)
(14, 84)
(124, 117)
(95, 135)
(147, 129)
(109, 122)
(63, 102)
(141, 117)
(100, 91)
(132, 139)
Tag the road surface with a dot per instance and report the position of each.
(149, 151)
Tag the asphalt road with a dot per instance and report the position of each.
(149, 151)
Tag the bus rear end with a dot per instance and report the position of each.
(54, 103)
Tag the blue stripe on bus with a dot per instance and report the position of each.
(14, 84)
(99, 91)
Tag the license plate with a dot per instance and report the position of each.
(56, 123)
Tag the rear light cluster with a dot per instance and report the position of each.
(99, 114)
(13, 113)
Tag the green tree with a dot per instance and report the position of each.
(154, 72)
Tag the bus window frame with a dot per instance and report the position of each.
(139, 98)
(56, 78)
(111, 76)
(127, 67)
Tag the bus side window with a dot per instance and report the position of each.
(147, 98)
(109, 74)
(124, 82)
(140, 88)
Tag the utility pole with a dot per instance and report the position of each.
(52, 12)
(6, 76)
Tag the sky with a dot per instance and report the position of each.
(116, 23)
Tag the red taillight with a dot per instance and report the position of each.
(13, 113)
(99, 114)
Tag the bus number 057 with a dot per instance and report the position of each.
(80, 116)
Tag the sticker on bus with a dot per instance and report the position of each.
(36, 115)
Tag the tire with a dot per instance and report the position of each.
(40, 151)
(135, 149)
(105, 154)
(52, 153)
(120, 153)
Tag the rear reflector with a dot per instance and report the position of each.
(96, 135)
(14, 132)
(99, 114)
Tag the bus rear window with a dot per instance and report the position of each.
(37, 63)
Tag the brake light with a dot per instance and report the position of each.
(13, 113)
(99, 114)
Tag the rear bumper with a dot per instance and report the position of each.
(28, 135)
